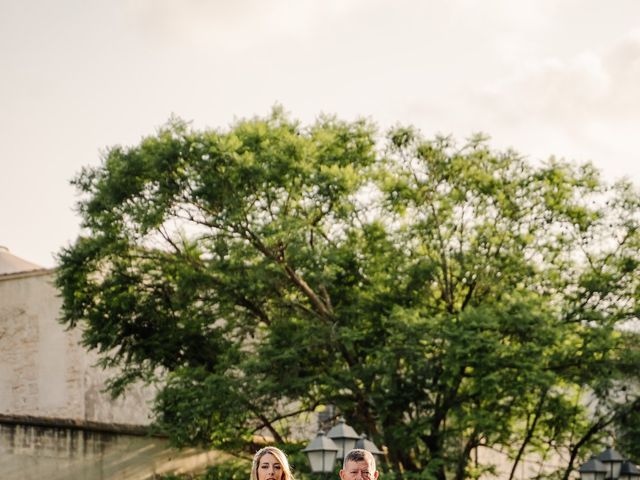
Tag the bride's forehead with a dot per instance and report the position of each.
(268, 458)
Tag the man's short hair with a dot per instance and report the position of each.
(359, 455)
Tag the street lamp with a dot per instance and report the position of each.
(609, 465)
(322, 453)
(366, 444)
(593, 469)
(613, 461)
(344, 436)
(324, 449)
(629, 471)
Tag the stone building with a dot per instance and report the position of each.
(55, 420)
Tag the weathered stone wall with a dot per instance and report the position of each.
(44, 372)
(34, 452)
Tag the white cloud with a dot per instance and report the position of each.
(583, 107)
(590, 85)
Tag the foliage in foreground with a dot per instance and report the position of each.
(443, 297)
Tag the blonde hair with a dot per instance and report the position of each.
(280, 457)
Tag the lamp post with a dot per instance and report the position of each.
(344, 436)
(613, 461)
(593, 469)
(322, 453)
(366, 444)
(324, 449)
(629, 471)
(609, 465)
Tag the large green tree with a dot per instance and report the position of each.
(442, 297)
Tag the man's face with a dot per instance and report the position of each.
(358, 471)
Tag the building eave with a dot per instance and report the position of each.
(29, 273)
(76, 424)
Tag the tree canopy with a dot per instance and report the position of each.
(442, 296)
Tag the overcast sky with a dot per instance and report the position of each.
(546, 77)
